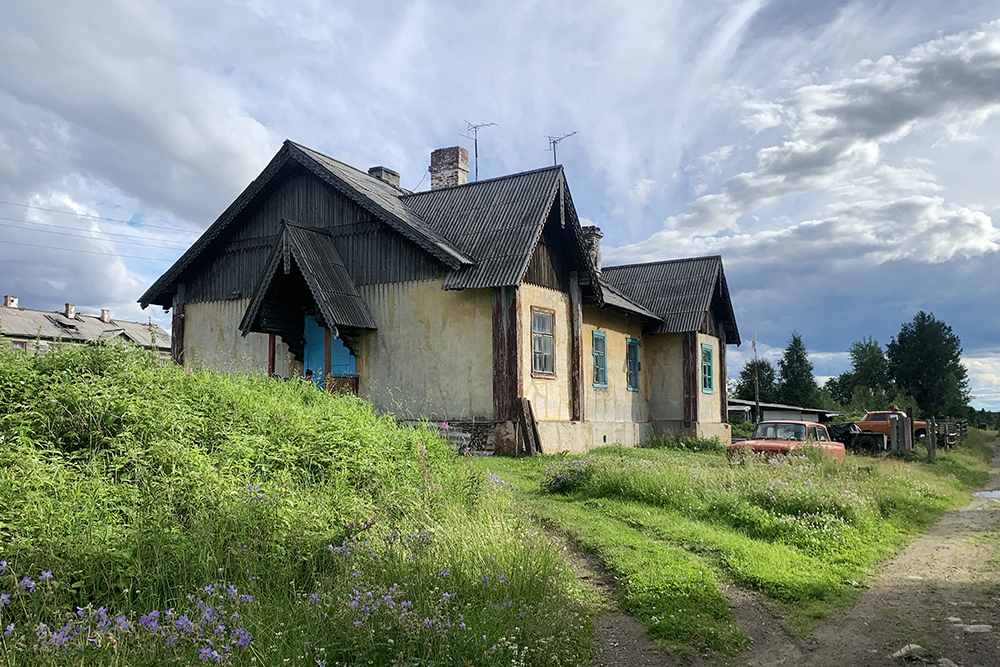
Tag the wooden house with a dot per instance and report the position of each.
(482, 304)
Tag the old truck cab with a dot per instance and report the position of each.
(877, 421)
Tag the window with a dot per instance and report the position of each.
(632, 364)
(19, 345)
(600, 360)
(812, 433)
(707, 376)
(879, 418)
(542, 341)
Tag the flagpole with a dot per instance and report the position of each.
(756, 378)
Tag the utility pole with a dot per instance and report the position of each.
(473, 129)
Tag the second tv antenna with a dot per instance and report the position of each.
(554, 143)
(473, 129)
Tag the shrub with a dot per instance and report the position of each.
(684, 443)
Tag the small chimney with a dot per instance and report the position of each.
(449, 166)
(70, 311)
(105, 315)
(10, 301)
(385, 174)
(592, 238)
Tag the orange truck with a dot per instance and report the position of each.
(877, 421)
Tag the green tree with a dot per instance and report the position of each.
(869, 370)
(797, 385)
(766, 375)
(925, 359)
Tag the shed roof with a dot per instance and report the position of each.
(54, 325)
(680, 292)
(330, 284)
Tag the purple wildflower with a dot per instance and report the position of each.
(27, 584)
(503, 578)
(445, 572)
(4, 599)
(9, 631)
(3, 566)
(243, 638)
(122, 624)
(314, 597)
(46, 575)
(357, 623)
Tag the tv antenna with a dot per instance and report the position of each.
(473, 129)
(554, 143)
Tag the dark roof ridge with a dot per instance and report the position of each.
(344, 164)
(485, 180)
(660, 261)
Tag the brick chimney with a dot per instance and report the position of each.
(592, 238)
(105, 315)
(10, 301)
(70, 311)
(449, 166)
(385, 174)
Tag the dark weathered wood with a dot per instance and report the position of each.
(530, 444)
(576, 373)
(722, 373)
(690, 365)
(327, 344)
(372, 251)
(271, 341)
(177, 327)
(506, 358)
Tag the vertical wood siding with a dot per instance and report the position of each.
(373, 252)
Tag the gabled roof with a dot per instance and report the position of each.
(615, 299)
(497, 222)
(374, 195)
(26, 323)
(330, 284)
(679, 291)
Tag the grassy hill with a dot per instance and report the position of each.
(153, 515)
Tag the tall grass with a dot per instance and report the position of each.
(151, 514)
(804, 530)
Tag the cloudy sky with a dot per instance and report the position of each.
(842, 157)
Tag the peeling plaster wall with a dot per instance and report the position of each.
(432, 356)
(615, 403)
(581, 437)
(710, 405)
(550, 397)
(666, 395)
(212, 338)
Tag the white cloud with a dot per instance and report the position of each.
(641, 191)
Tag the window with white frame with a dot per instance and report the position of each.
(542, 341)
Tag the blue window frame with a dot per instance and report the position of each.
(707, 370)
(632, 364)
(600, 360)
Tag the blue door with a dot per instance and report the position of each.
(342, 362)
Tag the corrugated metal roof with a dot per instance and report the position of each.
(330, 284)
(497, 222)
(679, 291)
(615, 299)
(53, 325)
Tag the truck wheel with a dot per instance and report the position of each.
(921, 433)
(868, 445)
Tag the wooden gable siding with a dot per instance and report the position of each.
(550, 264)
(372, 252)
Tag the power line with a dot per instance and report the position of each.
(96, 217)
(83, 236)
(88, 252)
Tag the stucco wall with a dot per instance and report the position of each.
(212, 338)
(666, 394)
(550, 397)
(432, 356)
(615, 403)
(710, 405)
(581, 437)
